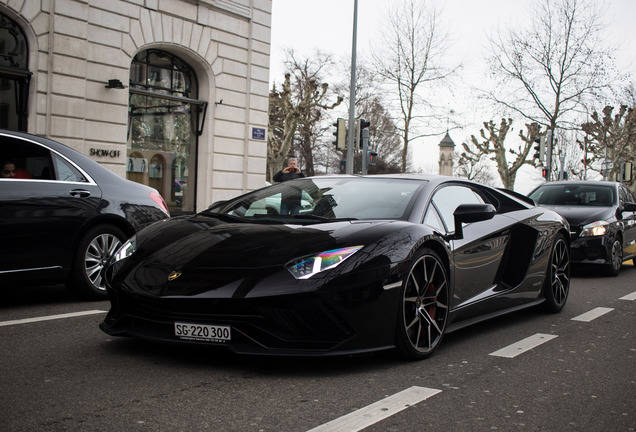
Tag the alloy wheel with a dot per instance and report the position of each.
(560, 283)
(617, 255)
(425, 304)
(99, 250)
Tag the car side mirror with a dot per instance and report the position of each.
(467, 213)
(630, 207)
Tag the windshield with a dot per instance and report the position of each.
(325, 198)
(575, 195)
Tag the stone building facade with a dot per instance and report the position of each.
(170, 93)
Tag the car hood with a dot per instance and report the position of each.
(582, 215)
(199, 254)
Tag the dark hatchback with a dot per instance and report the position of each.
(62, 214)
(602, 217)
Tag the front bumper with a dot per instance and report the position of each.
(591, 250)
(343, 319)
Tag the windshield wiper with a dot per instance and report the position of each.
(320, 218)
(224, 216)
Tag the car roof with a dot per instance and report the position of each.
(580, 182)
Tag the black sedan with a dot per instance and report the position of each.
(338, 265)
(602, 217)
(62, 215)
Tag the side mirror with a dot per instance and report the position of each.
(630, 207)
(467, 213)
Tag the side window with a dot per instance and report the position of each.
(66, 171)
(31, 161)
(625, 195)
(431, 218)
(447, 199)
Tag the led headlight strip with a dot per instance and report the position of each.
(306, 267)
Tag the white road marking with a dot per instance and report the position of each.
(593, 314)
(523, 345)
(50, 317)
(371, 414)
(629, 297)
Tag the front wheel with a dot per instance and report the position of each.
(557, 281)
(616, 258)
(93, 251)
(423, 306)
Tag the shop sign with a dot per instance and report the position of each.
(104, 153)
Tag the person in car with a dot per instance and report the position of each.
(8, 169)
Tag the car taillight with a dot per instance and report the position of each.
(160, 202)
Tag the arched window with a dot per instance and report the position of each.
(164, 119)
(14, 76)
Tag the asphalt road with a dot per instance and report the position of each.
(528, 371)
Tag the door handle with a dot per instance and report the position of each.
(82, 193)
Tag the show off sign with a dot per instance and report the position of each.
(104, 153)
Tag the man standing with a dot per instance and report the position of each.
(290, 198)
(290, 172)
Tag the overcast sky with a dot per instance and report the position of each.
(306, 25)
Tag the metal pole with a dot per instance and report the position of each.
(365, 151)
(622, 171)
(352, 92)
(548, 143)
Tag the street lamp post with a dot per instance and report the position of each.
(352, 92)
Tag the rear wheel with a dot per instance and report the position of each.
(423, 306)
(616, 256)
(93, 251)
(557, 281)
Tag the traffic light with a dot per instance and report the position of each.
(544, 173)
(539, 149)
(363, 124)
(372, 156)
(343, 166)
(340, 134)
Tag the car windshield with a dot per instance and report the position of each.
(575, 195)
(319, 199)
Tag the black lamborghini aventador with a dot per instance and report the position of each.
(339, 265)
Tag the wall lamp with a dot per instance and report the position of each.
(114, 84)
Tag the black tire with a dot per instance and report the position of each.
(93, 250)
(616, 258)
(423, 309)
(556, 286)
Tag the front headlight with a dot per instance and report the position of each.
(126, 250)
(306, 267)
(598, 228)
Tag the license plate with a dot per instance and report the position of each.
(202, 332)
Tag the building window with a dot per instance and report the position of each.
(14, 76)
(163, 122)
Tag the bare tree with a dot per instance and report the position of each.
(492, 143)
(371, 105)
(610, 137)
(473, 166)
(556, 67)
(413, 57)
(298, 104)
